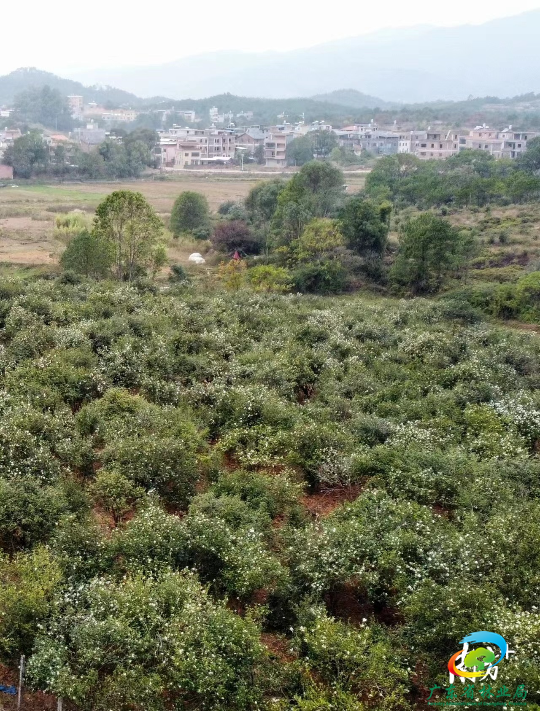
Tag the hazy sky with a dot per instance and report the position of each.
(65, 36)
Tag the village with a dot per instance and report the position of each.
(225, 139)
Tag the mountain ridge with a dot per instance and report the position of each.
(408, 65)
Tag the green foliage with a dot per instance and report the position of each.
(430, 249)
(45, 106)
(365, 226)
(268, 278)
(190, 213)
(29, 512)
(300, 151)
(28, 155)
(130, 228)
(358, 474)
(89, 254)
(471, 178)
(314, 191)
(28, 582)
(136, 644)
(115, 493)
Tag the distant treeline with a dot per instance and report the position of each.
(469, 178)
(123, 155)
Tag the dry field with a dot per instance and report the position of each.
(27, 212)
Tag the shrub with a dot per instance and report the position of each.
(135, 644)
(115, 493)
(268, 278)
(29, 512)
(234, 235)
(27, 584)
(329, 277)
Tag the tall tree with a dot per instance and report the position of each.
(430, 249)
(315, 191)
(28, 155)
(365, 225)
(530, 160)
(300, 151)
(132, 228)
(190, 212)
(45, 106)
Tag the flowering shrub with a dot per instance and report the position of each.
(285, 450)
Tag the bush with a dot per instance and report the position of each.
(268, 278)
(135, 644)
(115, 493)
(328, 277)
(234, 235)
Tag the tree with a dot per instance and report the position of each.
(28, 155)
(190, 212)
(234, 235)
(131, 228)
(87, 253)
(530, 160)
(365, 225)
(323, 142)
(45, 106)
(315, 191)
(300, 151)
(319, 240)
(429, 250)
(262, 200)
(258, 154)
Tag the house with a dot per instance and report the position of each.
(436, 145)
(181, 147)
(6, 172)
(499, 144)
(250, 138)
(90, 137)
(76, 105)
(384, 143)
(275, 147)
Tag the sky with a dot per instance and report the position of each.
(68, 38)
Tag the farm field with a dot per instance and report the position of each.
(27, 213)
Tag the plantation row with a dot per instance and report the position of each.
(160, 452)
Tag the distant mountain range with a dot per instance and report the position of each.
(409, 65)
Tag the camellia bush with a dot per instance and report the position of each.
(250, 498)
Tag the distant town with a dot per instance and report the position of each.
(222, 138)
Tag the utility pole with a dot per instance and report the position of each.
(21, 679)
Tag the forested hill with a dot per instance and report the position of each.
(26, 78)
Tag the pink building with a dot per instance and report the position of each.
(6, 172)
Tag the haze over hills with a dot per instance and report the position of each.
(416, 64)
(27, 77)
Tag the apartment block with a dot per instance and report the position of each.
(275, 146)
(436, 145)
(499, 144)
(180, 147)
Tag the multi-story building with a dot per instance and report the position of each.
(500, 144)
(76, 105)
(181, 147)
(383, 143)
(7, 136)
(275, 145)
(250, 138)
(436, 145)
